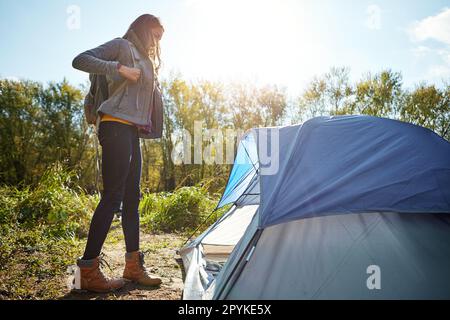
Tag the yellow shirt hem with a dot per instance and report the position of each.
(107, 117)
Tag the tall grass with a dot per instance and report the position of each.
(40, 228)
(180, 211)
(55, 202)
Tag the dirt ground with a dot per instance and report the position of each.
(160, 258)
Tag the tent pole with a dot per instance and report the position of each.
(200, 225)
(234, 276)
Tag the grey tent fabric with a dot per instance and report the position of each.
(225, 279)
(327, 258)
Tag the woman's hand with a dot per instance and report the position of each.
(132, 74)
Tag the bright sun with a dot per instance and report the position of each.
(264, 40)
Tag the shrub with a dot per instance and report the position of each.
(53, 202)
(9, 199)
(180, 211)
(38, 234)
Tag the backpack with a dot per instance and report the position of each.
(97, 94)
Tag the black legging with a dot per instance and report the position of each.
(121, 173)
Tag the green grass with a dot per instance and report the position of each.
(54, 201)
(181, 211)
(40, 231)
(32, 264)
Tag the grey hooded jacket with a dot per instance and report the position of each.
(127, 100)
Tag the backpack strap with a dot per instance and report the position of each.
(103, 84)
(123, 85)
(130, 46)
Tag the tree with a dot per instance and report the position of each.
(428, 106)
(19, 116)
(377, 95)
(38, 126)
(338, 89)
(330, 93)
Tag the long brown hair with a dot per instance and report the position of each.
(142, 28)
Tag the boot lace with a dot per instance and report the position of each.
(102, 263)
(142, 263)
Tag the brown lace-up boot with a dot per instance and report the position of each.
(135, 270)
(93, 279)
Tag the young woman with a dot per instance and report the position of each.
(129, 64)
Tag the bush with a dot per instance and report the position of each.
(180, 211)
(9, 199)
(52, 202)
(39, 230)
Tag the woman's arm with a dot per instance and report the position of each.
(103, 60)
(100, 60)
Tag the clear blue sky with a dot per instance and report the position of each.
(279, 41)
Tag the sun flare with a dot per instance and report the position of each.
(263, 40)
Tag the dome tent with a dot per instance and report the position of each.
(349, 193)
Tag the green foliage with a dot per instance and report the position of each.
(10, 197)
(52, 202)
(39, 229)
(32, 263)
(38, 125)
(325, 94)
(429, 107)
(180, 211)
(380, 94)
